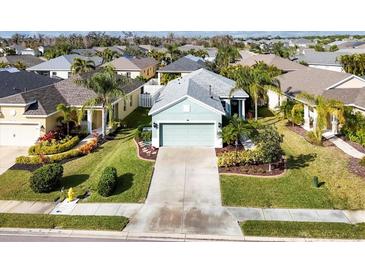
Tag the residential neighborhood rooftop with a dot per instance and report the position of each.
(187, 63)
(320, 58)
(28, 60)
(132, 63)
(349, 96)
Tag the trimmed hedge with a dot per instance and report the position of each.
(107, 182)
(46, 178)
(54, 147)
(33, 160)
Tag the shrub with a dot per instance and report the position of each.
(53, 146)
(314, 137)
(39, 159)
(89, 146)
(269, 145)
(46, 178)
(146, 135)
(233, 158)
(107, 182)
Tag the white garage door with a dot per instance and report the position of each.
(18, 134)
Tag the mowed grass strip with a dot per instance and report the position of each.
(63, 221)
(303, 230)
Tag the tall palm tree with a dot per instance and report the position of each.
(173, 52)
(108, 55)
(107, 87)
(81, 66)
(256, 82)
(70, 114)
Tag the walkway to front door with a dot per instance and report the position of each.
(184, 196)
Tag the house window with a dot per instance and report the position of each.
(224, 105)
(131, 101)
(54, 73)
(128, 74)
(124, 106)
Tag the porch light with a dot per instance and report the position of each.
(220, 125)
(42, 128)
(155, 125)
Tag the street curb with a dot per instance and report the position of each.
(127, 236)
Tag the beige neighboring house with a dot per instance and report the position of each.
(28, 114)
(339, 86)
(272, 60)
(132, 67)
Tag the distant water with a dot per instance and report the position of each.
(236, 34)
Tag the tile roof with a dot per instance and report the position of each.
(28, 60)
(271, 60)
(63, 62)
(202, 85)
(132, 63)
(187, 63)
(16, 82)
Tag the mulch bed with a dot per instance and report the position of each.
(147, 152)
(302, 132)
(259, 170)
(228, 149)
(356, 168)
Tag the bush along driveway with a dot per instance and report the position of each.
(83, 173)
(339, 187)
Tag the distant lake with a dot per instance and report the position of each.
(236, 34)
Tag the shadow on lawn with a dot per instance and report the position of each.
(303, 160)
(125, 182)
(73, 180)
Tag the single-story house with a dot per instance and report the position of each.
(300, 42)
(319, 82)
(321, 60)
(188, 47)
(271, 60)
(30, 51)
(61, 66)
(84, 52)
(117, 49)
(28, 114)
(27, 60)
(189, 110)
(182, 66)
(133, 67)
(150, 48)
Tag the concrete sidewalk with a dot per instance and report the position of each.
(298, 215)
(345, 147)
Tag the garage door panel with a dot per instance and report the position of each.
(18, 134)
(185, 134)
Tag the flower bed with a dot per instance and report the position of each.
(54, 146)
(259, 169)
(147, 152)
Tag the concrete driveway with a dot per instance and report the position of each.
(8, 155)
(184, 196)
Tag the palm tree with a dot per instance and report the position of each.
(108, 55)
(226, 54)
(173, 52)
(256, 82)
(81, 66)
(235, 130)
(70, 114)
(107, 87)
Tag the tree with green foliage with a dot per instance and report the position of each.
(108, 55)
(226, 55)
(167, 77)
(20, 65)
(235, 130)
(354, 64)
(333, 48)
(70, 114)
(82, 65)
(268, 142)
(173, 52)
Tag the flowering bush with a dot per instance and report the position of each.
(89, 146)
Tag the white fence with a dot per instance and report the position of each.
(147, 100)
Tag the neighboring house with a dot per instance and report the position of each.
(321, 60)
(84, 52)
(341, 86)
(29, 114)
(359, 50)
(182, 66)
(133, 67)
(117, 49)
(150, 48)
(188, 47)
(61, 66)
(350, 44)
(18, 49)
(30, 51)
(17, 127)
(189, 110)
(301, 43)
(271, 60)
(27, 60)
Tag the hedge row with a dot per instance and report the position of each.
(32, 160)
(49, 148)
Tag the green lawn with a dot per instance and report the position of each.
(303, 229)
(83, 173)
(63, 221)
(340, 188)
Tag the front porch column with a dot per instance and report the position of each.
(240, 108)
(89, 121)
(334, 123)
(306, 125)
(159, 78)
(314, 119)
(228, 106)
(103, 122)
(243, 109)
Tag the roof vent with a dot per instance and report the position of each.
(210, 91)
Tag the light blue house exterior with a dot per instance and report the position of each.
(189, 110)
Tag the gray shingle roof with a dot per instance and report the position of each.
(84, 52)
(17, 82)
(132, 63)
(271, 60)
(184, 64)
(311, 80)
(349, 96)
(28, 60)
(202, 85)
(320, 58)
(63, 62)
(67, 92)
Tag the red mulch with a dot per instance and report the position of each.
(302, 132)
(355, 145)
(261, 170)
(356, 168)
(147, 152)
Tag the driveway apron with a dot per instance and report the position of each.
(184, 196)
